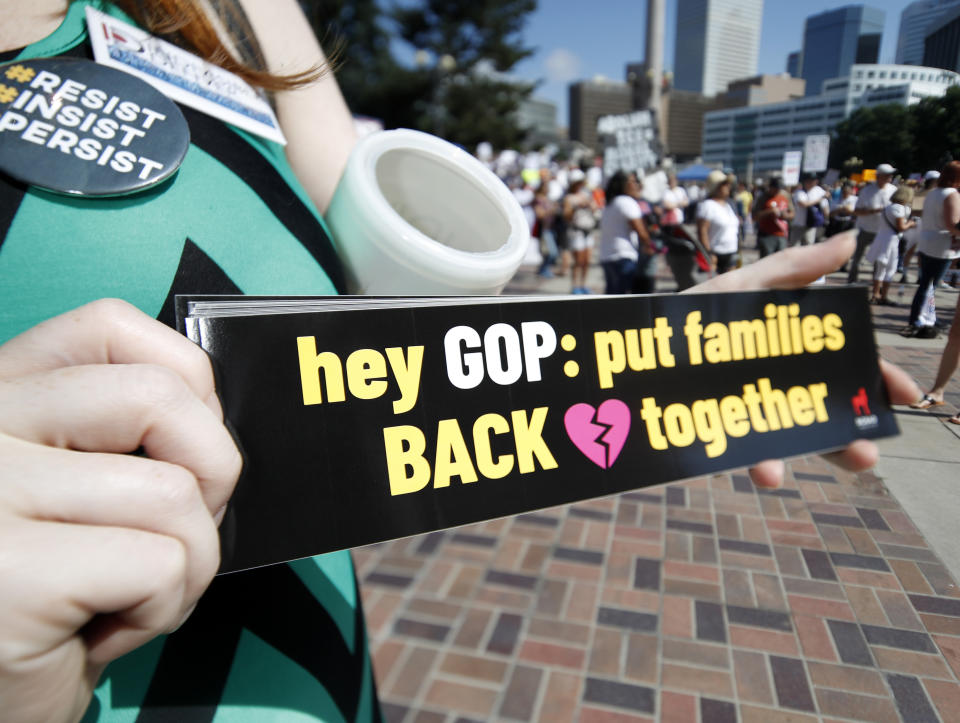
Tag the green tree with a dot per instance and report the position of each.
(914, 139)
(457, 86)
(372, 81)
(937, 133)
(469, 46)
(878, 134)
(471, 31)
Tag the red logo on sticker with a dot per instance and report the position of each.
(859, 402)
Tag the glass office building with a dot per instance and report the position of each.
(756, 137)
(916, 22)
(836, 39)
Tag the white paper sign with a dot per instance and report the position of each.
(180, 75)
(791, 167)
(816, 149)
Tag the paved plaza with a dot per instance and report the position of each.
(831, 599)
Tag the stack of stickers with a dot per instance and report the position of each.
(369, 419)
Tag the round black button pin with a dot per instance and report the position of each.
(77, 127)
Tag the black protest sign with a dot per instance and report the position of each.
(630, 141)
(76, 127)
(363, 425)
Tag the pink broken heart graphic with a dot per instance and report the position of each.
(599, 433)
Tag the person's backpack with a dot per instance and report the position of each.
(815, 217)
(584, 219)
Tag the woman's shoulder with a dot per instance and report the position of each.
(626, 205)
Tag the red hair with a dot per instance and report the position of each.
(950, 175)
(184, 23)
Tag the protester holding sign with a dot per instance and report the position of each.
(116, 465)
(104, 550)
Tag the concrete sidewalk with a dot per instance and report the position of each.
(921, 467)
(708, 601)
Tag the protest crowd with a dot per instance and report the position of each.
(904, 223)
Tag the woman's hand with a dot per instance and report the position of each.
(794, 268)
(101, 550)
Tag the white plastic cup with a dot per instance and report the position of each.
(415, 215)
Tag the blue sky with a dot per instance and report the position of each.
(577, 40)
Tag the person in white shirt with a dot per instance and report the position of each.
(595, 174)
(912, 238)
(884, 252)
(939, 244)
(674, 202)
(718, 227)
(809, 218)
(580, 214)
(842, 217)
(625, 245)
(938, 239)
(870, 202)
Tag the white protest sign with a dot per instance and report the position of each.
(816, 149)
(791, 167)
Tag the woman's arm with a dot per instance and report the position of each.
(640, 227)
(903, 224)
(951, 210)
(703, 226)
(315, 119)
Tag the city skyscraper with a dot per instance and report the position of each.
(836, 39)
(941, 48)
(591, 99)
(717, 41)
(793, 64)
(915, 24)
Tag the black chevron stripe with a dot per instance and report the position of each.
(11, 195)
(247, 163)
(274, 604)
(196, 273)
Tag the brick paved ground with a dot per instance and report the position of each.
(707, 600)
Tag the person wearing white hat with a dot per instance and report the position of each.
(718, 227)
(939, 248)
(873, 198)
